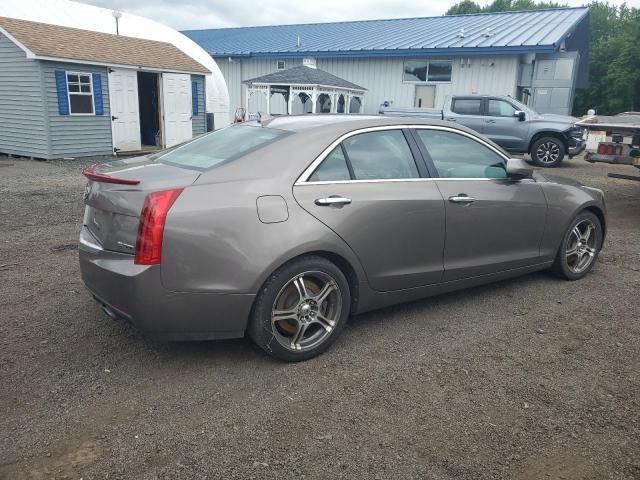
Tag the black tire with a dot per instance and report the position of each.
(547, 152)
(562, 267)
(271, 338)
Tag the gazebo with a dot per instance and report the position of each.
(300, 90)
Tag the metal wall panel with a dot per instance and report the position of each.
(383, 77)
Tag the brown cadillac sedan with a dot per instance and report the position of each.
(283, 229)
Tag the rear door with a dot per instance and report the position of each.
(503, 127)
(125, 115)
(467, 111)
(494, 223)
(370, 191)
(177, 109)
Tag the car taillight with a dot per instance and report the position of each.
(91, 174)
(151, 228)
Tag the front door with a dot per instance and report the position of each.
(494, 223)
(370, 191)
(503, 127)
(425, 96)
(177, 110)
(125, 115)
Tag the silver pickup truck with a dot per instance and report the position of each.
(515, 127)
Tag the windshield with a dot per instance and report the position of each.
(219, 146)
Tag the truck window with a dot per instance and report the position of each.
(467, 106)
(500, 108)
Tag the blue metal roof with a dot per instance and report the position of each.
(492, 33)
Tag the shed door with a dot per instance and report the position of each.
(123, 98)
(176, 98)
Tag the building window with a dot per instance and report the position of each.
(80, 91)
(280, 65)
(427, 70)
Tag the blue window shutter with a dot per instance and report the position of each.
(194, 97)
(61, 87)
(96, 79)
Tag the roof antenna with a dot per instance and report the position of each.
(461, 33)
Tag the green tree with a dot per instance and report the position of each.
(466, 6)
(614, 50)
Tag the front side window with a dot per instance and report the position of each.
(221, 145)
(80, 92)
(467, 106)
(458, 156)
(380, 155)
(500, 108)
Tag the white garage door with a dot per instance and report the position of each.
(176, 92)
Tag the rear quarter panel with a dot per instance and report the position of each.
(214, 240)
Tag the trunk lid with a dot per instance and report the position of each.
(113, 209)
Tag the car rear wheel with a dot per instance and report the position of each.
(301, 309)
(547, 152)
(580, 247)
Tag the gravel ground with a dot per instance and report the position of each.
(532, 378)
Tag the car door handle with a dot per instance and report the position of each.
(450, 119)
(328, 201)
(490, 121)
(461, 198)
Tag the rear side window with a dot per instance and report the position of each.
(467, 106)
(333, 168)
(458, 156)
(380, 155)
(220, 146)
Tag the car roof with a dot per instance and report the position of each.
(342, 123)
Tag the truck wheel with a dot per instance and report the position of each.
(547, 152)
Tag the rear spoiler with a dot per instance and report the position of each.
(91, 174)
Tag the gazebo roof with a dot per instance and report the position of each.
(304, 75)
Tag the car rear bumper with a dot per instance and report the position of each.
(135, 293)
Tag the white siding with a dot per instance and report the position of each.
(382, 77)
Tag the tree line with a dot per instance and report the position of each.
(614, 48)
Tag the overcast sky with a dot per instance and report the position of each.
(193, 14)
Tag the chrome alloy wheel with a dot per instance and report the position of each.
(306, 311)
(548, 152)
(581, 246)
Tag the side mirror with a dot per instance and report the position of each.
(520, 115)
(518, 169)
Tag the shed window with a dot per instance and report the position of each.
(416, 70)
(280, 65)
(80, 90)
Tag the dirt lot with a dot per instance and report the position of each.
(532, 378)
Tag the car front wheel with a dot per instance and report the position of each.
(547, 152)
(580, 247)
(301, 309)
